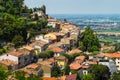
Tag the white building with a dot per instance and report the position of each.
(41, 37)
(111, 65)
(53, 24)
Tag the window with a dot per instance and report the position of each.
(18, 58)
(7, 54)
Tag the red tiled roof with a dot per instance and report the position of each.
(33, 66)
(8, 62)
(112, 55)
(80, 58)
(89, 62)
(15, 53)
(28, 48)
(71, 77)
(75, 66)
(56, 49)
(74, 51)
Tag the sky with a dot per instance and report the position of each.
(77, 6)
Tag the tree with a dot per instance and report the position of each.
(117, 47)
(43, 8)
(36, 18)
(56, 71)
(20, 75)
(3, 73)
(67, 70)
(71, 57)
(100, 72)
(89, 41)
(46, 54)
(18, 40)
(116, 76)
(87, 77)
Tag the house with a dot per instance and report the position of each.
(110, 64)
(54, 37)
(9, 64)
(71, 77)
(73, 51)
(68, 42)
(61, 61)
(80, 59)
(33, 69)
(41, 37)
(100, 56)
(115, 56)
(103, 47)
(57, 44)
(46, 78)
(28, 54)
(40, 14)
(57, 51)
(54, 25)
(75, 66)
(84, 70)
(39, 45)
(13, 56)
(46, 66)
(23, 56)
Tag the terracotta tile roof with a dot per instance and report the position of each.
(75, 66)
(38, 43)
(92, 63)
(112, 55)
(28, 48)
(100, 55)
(24, 51)
(45, 63)
(82, 58)
(74, 51)
(57, 44)
(57, 50)
(52, 60)
(15, 53)
(63, 78)
(71, 77)
(49, 79)
(33, 66)
(8, 62)
(60, 58)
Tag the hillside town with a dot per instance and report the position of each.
(50, 55)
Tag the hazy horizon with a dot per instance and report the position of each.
(77, 6)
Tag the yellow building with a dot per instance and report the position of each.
(61, 61)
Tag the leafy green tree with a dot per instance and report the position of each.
(116, 76)
(3, 73)
(100, 72)
(36, 18)
(46, 54)
(67, 70)
(89, 41)
(20, 75)
(18, 40)
(87, 77)
(71, 57)
(117, 47)
(43, 8)
(56, 71)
